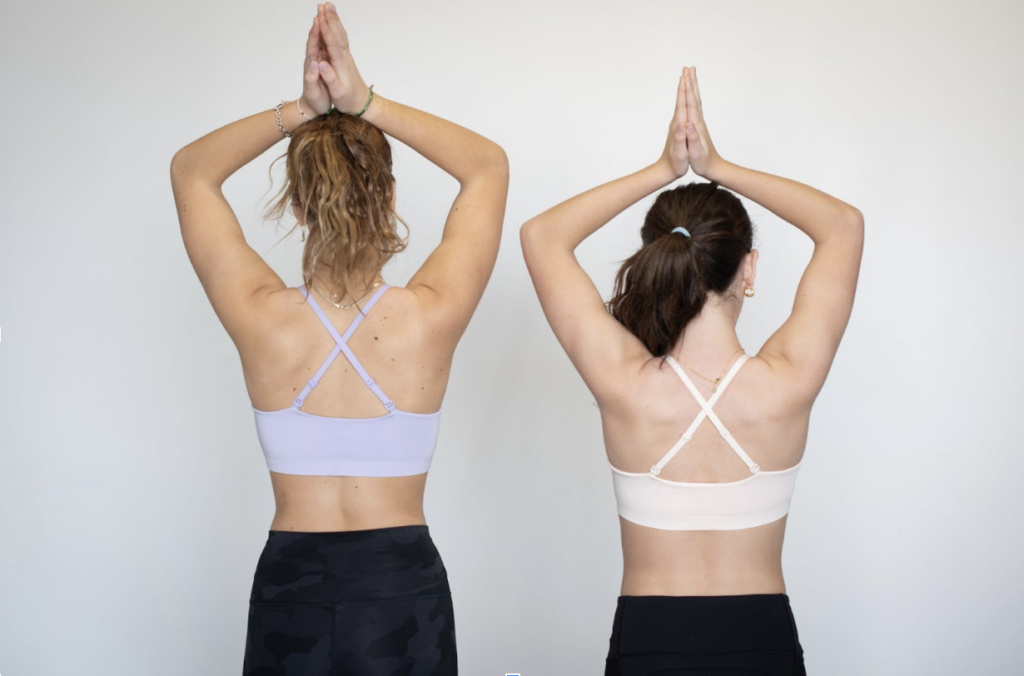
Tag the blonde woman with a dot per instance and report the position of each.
(704, 441)
(345, 373)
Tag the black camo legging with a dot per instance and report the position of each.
(360, 603)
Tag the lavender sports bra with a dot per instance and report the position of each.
(394, 444)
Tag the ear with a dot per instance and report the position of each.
(295, 211)
(750, 268)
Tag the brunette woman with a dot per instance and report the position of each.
(702, 507)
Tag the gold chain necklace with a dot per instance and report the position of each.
(719, 378)
(350, 305)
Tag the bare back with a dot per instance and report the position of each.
(646, 409)
(642, 420)
(395, 345)
(408, 338)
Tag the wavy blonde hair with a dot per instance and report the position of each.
(339, 177)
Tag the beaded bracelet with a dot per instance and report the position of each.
(368, 99)
(302, 113)
(288, 134)
(277, 115)
(307, 116)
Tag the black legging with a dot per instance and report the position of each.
(746, 635)
(363, 603)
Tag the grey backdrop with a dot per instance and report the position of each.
(134, 500)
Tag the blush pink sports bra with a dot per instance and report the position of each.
(397, 443)
(648, 500)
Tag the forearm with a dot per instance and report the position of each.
(224, 151)
(569, 223)
(811, 210)
(460, 152)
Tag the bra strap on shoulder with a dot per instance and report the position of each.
(323, 319)
(362, 312)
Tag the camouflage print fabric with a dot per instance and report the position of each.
(358, 603)
(742, 635)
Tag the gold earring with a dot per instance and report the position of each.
(748, 292)
(303, 233)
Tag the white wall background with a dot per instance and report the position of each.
(133, 496)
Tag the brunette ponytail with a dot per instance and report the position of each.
(665, 284)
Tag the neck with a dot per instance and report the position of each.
(359, 286)
(709, 338)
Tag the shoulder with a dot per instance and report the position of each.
(633, 382)
(772, 388)
(278, 314)
(427, 313)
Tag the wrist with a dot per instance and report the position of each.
(362, 103)
(663, 172)
(291, 118)
(718, 170)
(306, 110)
(375, 110)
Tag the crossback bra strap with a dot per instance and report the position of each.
(706, 412)
(362, 312)
(390, 405)
(315, 380)
(323, 318)
(342, 346)
(312, 382)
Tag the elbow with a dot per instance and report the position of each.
(856, 218)
(179, 164)
(530, 237)
(496, 162)
(856, 226)
(848, 230)
(186, 167)
(488, 163)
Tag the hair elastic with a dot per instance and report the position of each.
(682, 230)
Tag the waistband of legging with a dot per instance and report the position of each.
(342, 566)
(704, 624)
(387, 531)
(721, 599)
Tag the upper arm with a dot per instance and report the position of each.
(232, 274)
(451, 281)
(597, 344)
(809, 339)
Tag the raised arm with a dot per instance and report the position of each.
(808, 340)
(452, 279)
(232, 274)
(595, 341)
